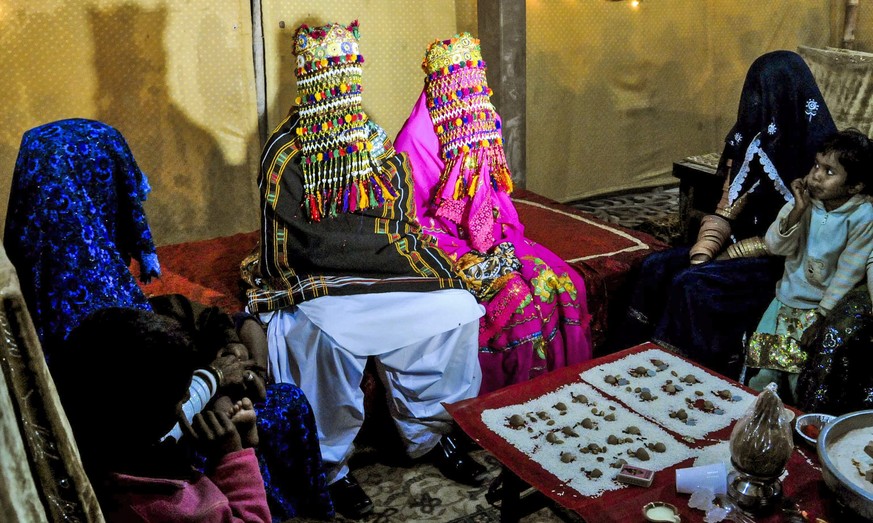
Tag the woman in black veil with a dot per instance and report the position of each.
(702, 300)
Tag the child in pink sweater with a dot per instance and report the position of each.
(119, 417)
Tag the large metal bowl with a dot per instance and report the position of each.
(846, 491)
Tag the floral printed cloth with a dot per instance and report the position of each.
(74, 222)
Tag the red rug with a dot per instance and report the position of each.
(606, 255)
(205, 271)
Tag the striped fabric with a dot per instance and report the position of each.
(370, 250)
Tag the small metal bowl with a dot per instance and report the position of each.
(667, 513)
(815, 420)
(846, 491)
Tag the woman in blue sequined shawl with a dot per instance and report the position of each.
(75, 220)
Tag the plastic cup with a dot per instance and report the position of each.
(712, 477)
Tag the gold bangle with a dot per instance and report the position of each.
(732, 251)
(761, 247)
(748, 248)
(713, 232)
(219, 375)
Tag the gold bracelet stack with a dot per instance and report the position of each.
(748, 248)
(729, 212)
(714, 230)
(732, 211)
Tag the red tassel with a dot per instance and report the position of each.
(353, 198)
(313, 209)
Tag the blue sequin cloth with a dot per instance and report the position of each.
(75, 220)
(290, 457)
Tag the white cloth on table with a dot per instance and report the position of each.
(426, 351)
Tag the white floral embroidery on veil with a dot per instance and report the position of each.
(769, 168)
(811, 108)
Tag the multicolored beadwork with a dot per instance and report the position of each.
(459, 102)
(340, 174)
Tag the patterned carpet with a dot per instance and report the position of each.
(404, 492)
(655, 211)
(633, 209)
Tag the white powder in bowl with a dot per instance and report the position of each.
(848, 456)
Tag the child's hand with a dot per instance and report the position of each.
(236, 349)
(812, 332)
(214, 432)
(246, 420)
(239, 377)
(255, 387)
(801, 203)
(801, 194)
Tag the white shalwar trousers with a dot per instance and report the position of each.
(426, 351)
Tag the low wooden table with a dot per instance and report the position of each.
(803, 485)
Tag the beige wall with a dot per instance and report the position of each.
(615, 95)
(176, 78)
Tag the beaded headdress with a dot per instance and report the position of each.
(339, 172)
(459, 102)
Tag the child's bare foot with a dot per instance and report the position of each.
(246, 420)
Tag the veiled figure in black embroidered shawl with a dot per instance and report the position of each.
(703, 300)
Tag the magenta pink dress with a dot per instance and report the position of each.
(539, 320)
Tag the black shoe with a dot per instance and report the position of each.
(349, 499)
(456, 464)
